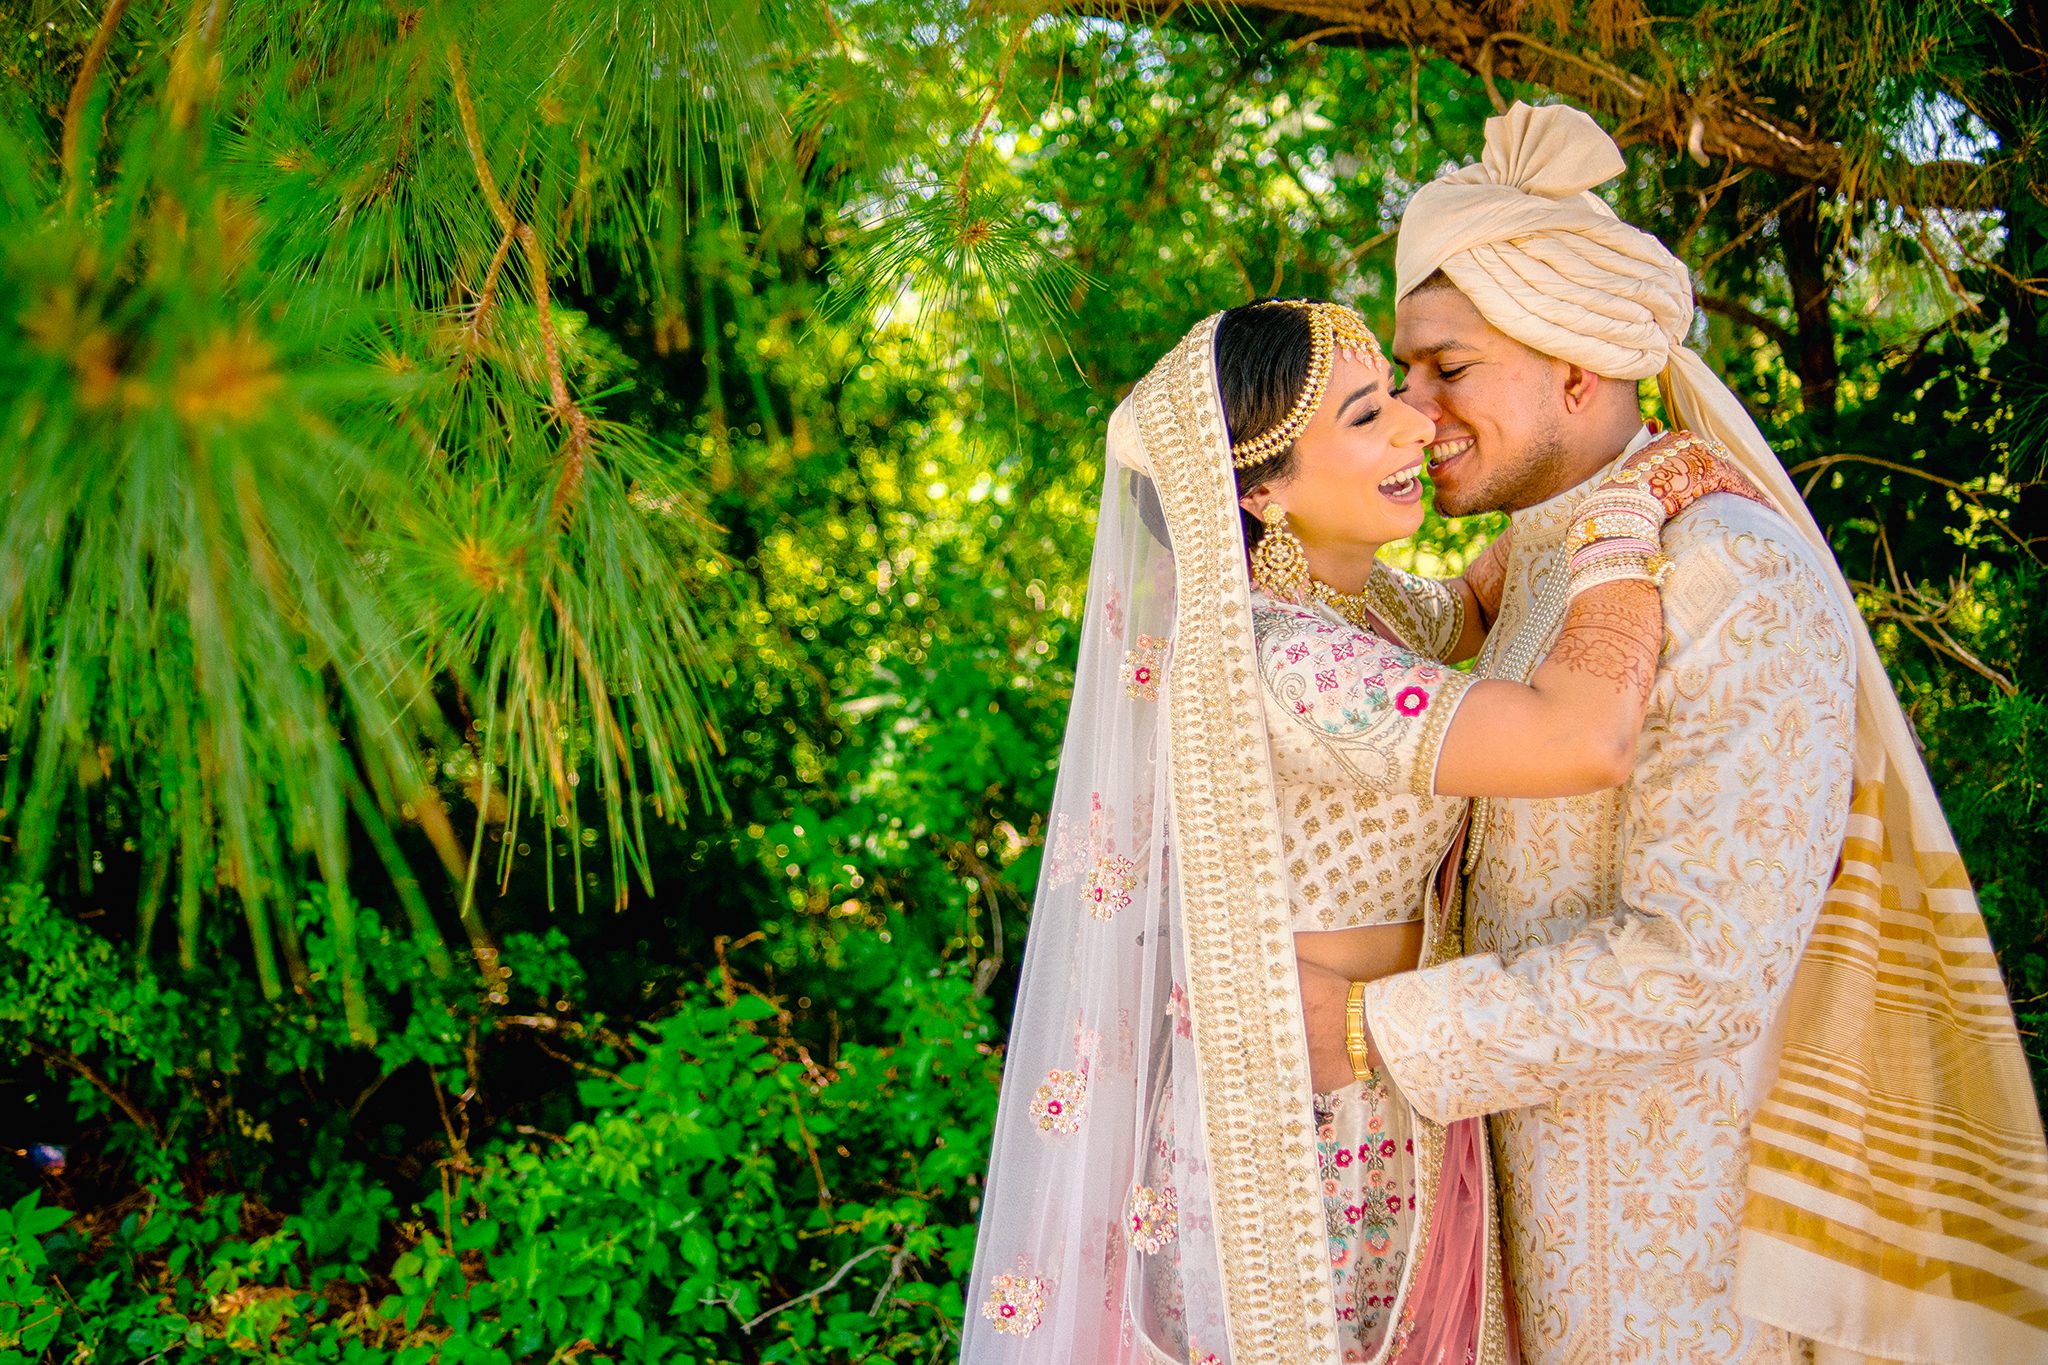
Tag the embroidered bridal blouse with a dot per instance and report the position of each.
(1630, 947)
(1355, 722)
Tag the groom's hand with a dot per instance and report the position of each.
(1323, 997)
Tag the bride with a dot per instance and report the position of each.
(1266, 764)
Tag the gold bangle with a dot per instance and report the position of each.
(1354, 1033)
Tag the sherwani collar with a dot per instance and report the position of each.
(1541, 528)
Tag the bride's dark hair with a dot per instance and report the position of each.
(1262, 355)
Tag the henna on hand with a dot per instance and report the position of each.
(1679, 468)
(1487, 575)
(1613, 633)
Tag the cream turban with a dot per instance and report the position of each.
(1924, 1248)
(1541, 256)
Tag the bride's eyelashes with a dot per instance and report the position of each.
(1367, 416)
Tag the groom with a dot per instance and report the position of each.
(1630, 948)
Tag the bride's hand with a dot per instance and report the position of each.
(1487, 574)
(1679, 468)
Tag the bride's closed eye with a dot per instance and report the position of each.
(1367, 415)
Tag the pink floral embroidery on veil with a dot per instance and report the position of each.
(1113, 877)
(1110, 884)
(1016, 1303)
(1154, 1218)
(1143, 668)
(1061, 1103)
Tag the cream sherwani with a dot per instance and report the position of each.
(1631, 947)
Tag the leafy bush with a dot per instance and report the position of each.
(716, 1195)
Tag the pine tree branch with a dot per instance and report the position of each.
(81, 89)
(1723, 122)
(465, 109)
(564, 408)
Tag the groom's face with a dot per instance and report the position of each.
(1498, 406)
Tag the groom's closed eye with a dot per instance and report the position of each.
(1445, 373)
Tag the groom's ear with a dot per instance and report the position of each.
(1580, 386)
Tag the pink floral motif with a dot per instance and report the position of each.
(1061, 1103)
(1198, 1356)
(1361, 1205)
(1326, 680)
(1016, 1303)
(1411, 701)
(1143, 668)
(1086, 1040)
(1177, 1010)
(1110, 884)
(1064, 849)
(1153, 1220)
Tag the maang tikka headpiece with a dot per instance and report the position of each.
(1331, 327)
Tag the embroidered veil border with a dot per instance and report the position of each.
(1153, 1195)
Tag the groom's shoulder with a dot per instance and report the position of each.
(1733, 557)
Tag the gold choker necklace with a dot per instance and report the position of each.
(1352, 606)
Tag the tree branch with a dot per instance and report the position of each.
(1779, 335)
(81, 86)
(1723, 123)
(565, 409)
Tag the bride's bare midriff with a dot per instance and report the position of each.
(1363, 954)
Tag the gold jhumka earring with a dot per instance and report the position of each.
(1279, 563)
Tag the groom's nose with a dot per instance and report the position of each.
(1421, 395)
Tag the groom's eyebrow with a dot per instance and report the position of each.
(1433, 350)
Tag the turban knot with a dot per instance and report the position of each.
(1540, 256)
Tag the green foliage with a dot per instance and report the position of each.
(366, 564)
(662, 1222)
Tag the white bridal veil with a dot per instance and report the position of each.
(1153, 1191)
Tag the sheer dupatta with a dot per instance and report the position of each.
(1153, 1191)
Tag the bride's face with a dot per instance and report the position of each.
(1354, 480)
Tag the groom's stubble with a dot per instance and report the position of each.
(1506, 397)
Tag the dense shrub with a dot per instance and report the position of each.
(709, 1191)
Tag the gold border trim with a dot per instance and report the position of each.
(1257, 1115)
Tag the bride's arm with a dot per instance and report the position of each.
(1442, 618)
(1573, 727)
(1357, 710)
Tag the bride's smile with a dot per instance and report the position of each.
(1354, 483)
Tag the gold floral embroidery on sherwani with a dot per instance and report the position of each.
(1631, 946)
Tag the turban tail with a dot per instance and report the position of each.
(1898, 1185)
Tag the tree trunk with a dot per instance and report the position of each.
(1802, 234)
